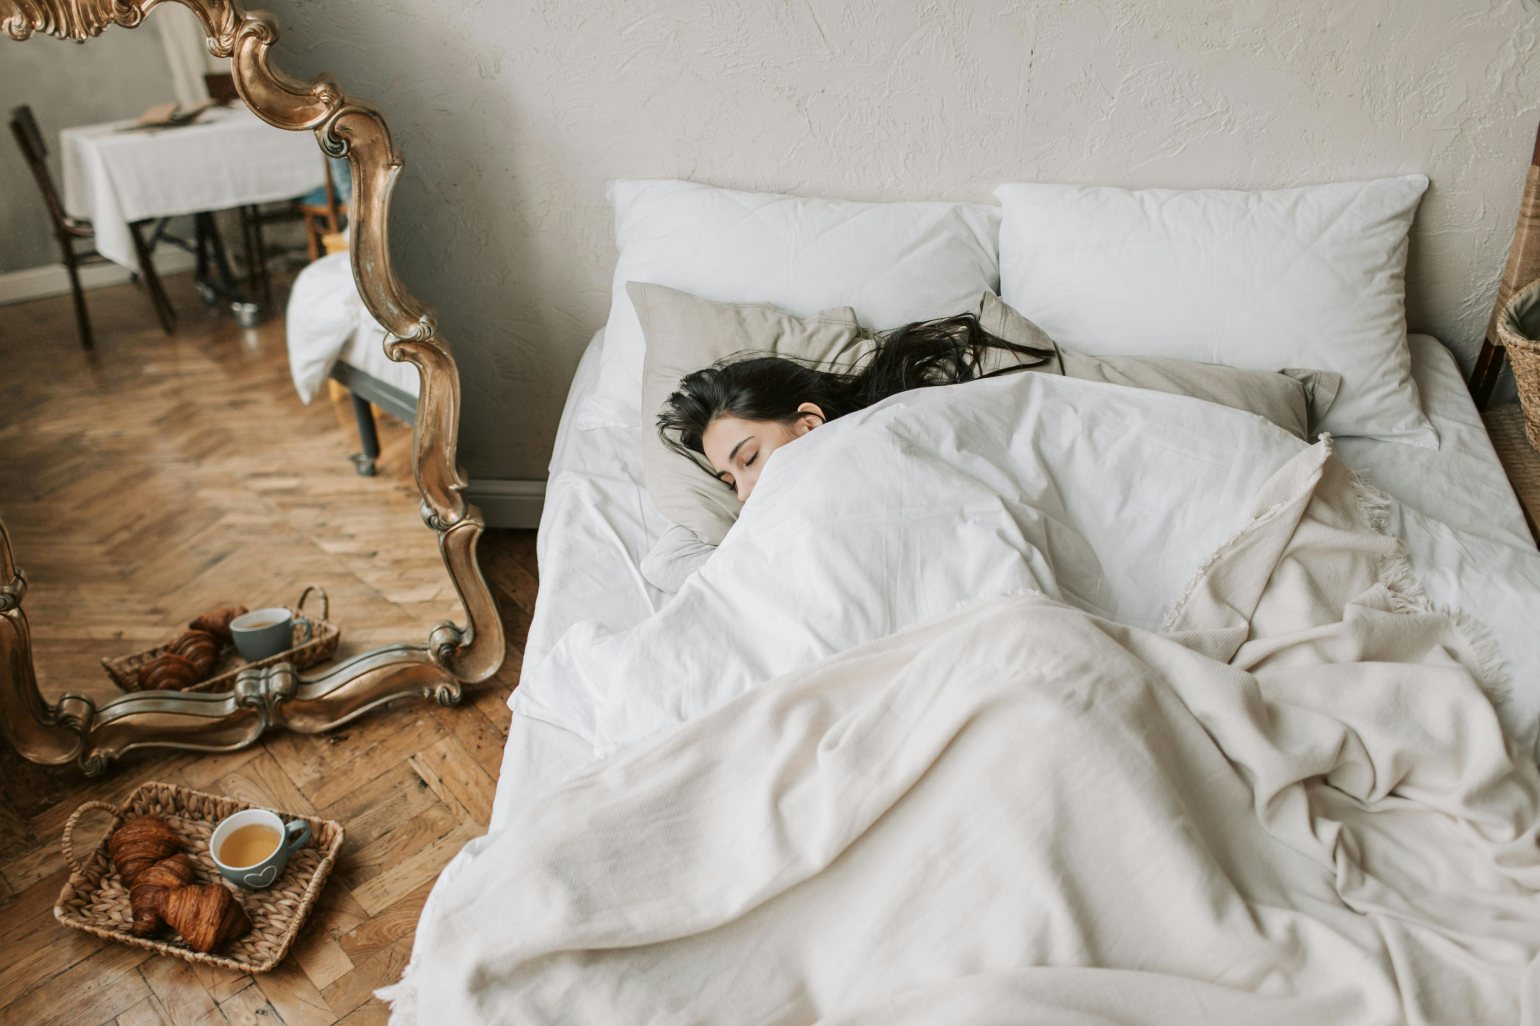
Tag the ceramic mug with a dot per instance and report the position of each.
(265, 632)
(288, 838)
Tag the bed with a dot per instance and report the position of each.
(598, 525)
(331, 335)
(1024, 698)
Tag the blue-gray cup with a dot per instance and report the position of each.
(261, 830)
(262, 633)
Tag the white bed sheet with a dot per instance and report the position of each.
(1461, 483)
(598, 523)
(596, 526)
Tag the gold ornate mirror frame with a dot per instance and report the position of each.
(78, 729)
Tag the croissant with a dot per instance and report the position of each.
(147, 897)
(168, 672)
(199, 648)
(217, 621)
(140, 843)
(206, 915)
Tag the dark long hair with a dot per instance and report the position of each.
(754, 386)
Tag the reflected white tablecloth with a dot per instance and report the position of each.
(227, 158)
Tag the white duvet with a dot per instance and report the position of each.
(1293, 806)
(1107, 498)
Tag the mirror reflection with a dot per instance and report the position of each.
(196, 412)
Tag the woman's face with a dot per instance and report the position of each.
(738, 449)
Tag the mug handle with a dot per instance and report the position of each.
(296, 832)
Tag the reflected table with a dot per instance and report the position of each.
(116, 175)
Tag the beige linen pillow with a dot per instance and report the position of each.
(685, 333)
(1294, 400)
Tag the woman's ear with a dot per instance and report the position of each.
(812, 416)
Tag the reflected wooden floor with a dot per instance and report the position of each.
(164, 475)
(161, 476)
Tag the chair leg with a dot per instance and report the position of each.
(82, 318)
(152, 284)
(313, 233)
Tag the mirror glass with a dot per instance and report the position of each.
(195, 438)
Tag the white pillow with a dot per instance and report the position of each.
(892, 262)
(1309, 277)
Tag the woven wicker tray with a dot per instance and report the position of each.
(324, 638)
(95, 900)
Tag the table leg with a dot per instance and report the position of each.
(258, 281)
(201, 257)
(221, 259)
(211, 248)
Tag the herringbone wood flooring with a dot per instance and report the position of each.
(140, 486)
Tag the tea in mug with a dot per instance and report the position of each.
(248, 845)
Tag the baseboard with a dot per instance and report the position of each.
(505, 503)
(54, 280)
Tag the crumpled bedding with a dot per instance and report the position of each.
(1293, 805)
(1103, 496)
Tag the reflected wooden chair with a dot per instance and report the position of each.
(71, 230)
(325, 210)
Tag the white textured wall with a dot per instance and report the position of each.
(513, 116)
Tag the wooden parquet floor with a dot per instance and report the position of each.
(154, 479)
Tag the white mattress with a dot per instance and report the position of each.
(598, 524)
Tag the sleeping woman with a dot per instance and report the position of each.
(738, 412)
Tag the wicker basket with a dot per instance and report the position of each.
(1518, 330)
(324, 637)
(95, 900)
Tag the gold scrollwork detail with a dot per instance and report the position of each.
(12, 592)
(67, 19)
